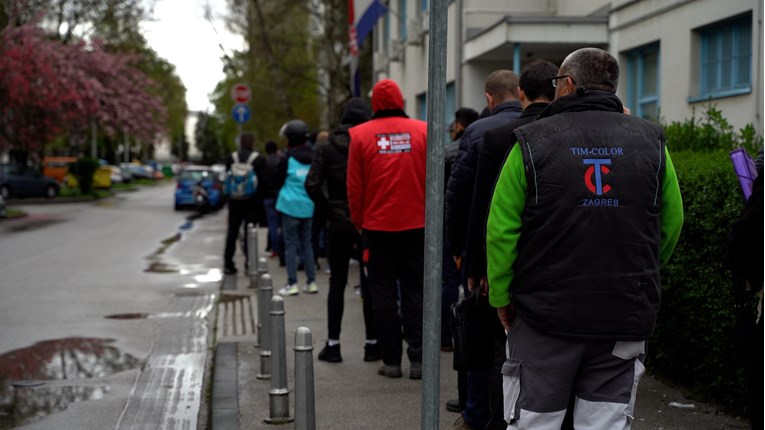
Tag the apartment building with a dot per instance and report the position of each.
(676, 56)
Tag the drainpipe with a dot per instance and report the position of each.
(458, 54)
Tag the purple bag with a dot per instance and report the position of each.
(744, 167)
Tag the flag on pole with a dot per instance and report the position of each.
(362, 16)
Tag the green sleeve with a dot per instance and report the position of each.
(671, 211)
(503, 227)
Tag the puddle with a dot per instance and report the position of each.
(162, 267)
(32, 222)
(33, 380)
(129, 316)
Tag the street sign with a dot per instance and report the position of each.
(240, 93)
(241, 113)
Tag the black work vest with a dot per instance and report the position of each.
(588, 262)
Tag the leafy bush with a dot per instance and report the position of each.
(694, 342)
(83, 169)
(713, 132)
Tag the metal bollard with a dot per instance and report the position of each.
(279, 394)
(305, 405)
(263, 338)
(255, 276)
(252, 250)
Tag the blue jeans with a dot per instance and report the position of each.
(274, 224)
(297, 235)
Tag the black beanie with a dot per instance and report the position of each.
(355, 112)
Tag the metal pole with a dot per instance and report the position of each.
(93, 141)
(279, 394)
(262, 269)
(305, 405)
(252, 251)
(263, 338)
(434, 210)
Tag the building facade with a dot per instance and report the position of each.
(675, 56)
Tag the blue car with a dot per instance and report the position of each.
(198, 187)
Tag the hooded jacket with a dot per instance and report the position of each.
(386, 165)
(326, 182)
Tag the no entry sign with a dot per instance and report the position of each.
(240, 93)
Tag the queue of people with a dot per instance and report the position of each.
(560, 210)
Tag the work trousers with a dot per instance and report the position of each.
(395, 270)
(543, 371)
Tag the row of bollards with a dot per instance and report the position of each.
(271, 339)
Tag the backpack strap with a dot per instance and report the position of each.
(252, 157)
(235, 157)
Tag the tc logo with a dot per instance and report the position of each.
(597, 169)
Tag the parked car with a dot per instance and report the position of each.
(20, 180)
(138, 171)
(198, 186)
(57, 167)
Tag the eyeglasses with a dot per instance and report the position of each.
(554, 80)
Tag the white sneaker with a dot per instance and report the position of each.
(311, 288)
(289, 290)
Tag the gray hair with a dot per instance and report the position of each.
(593, 69)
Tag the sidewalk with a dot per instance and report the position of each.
(351, 395)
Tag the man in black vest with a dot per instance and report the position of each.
(585, 209)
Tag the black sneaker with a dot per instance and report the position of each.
(390, 371)
(330, 354)
(229, 270)
(415, 371)
(372, 352)
(453, 405)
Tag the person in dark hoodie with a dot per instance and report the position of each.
(270, 193)
(296, 207)
(328, 172)
(386, 197)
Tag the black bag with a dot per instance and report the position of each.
(471, 334)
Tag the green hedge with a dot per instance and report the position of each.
(694, 339)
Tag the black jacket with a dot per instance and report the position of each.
(326, 181)
(269, 182)
(497, 143)
(459, 188)
(302, 153)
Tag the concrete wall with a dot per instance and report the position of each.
(671, 24)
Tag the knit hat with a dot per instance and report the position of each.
(355, 112)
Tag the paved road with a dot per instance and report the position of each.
(67, 267)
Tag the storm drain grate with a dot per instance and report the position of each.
(236, 317)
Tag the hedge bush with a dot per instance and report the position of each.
(83, 169)
(694, 341)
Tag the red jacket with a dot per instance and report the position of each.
(386, 166)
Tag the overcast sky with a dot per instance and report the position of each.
(181, 35)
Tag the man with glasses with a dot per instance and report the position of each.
(585, 209)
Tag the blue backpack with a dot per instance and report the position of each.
(241, 181)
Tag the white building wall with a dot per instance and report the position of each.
(671, 23)
(632, 24)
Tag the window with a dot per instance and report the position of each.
(424, 5)
(386, 31)
(402, 20)
(450, 106)
(643, 82)
(422, 106)
(726, 58)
